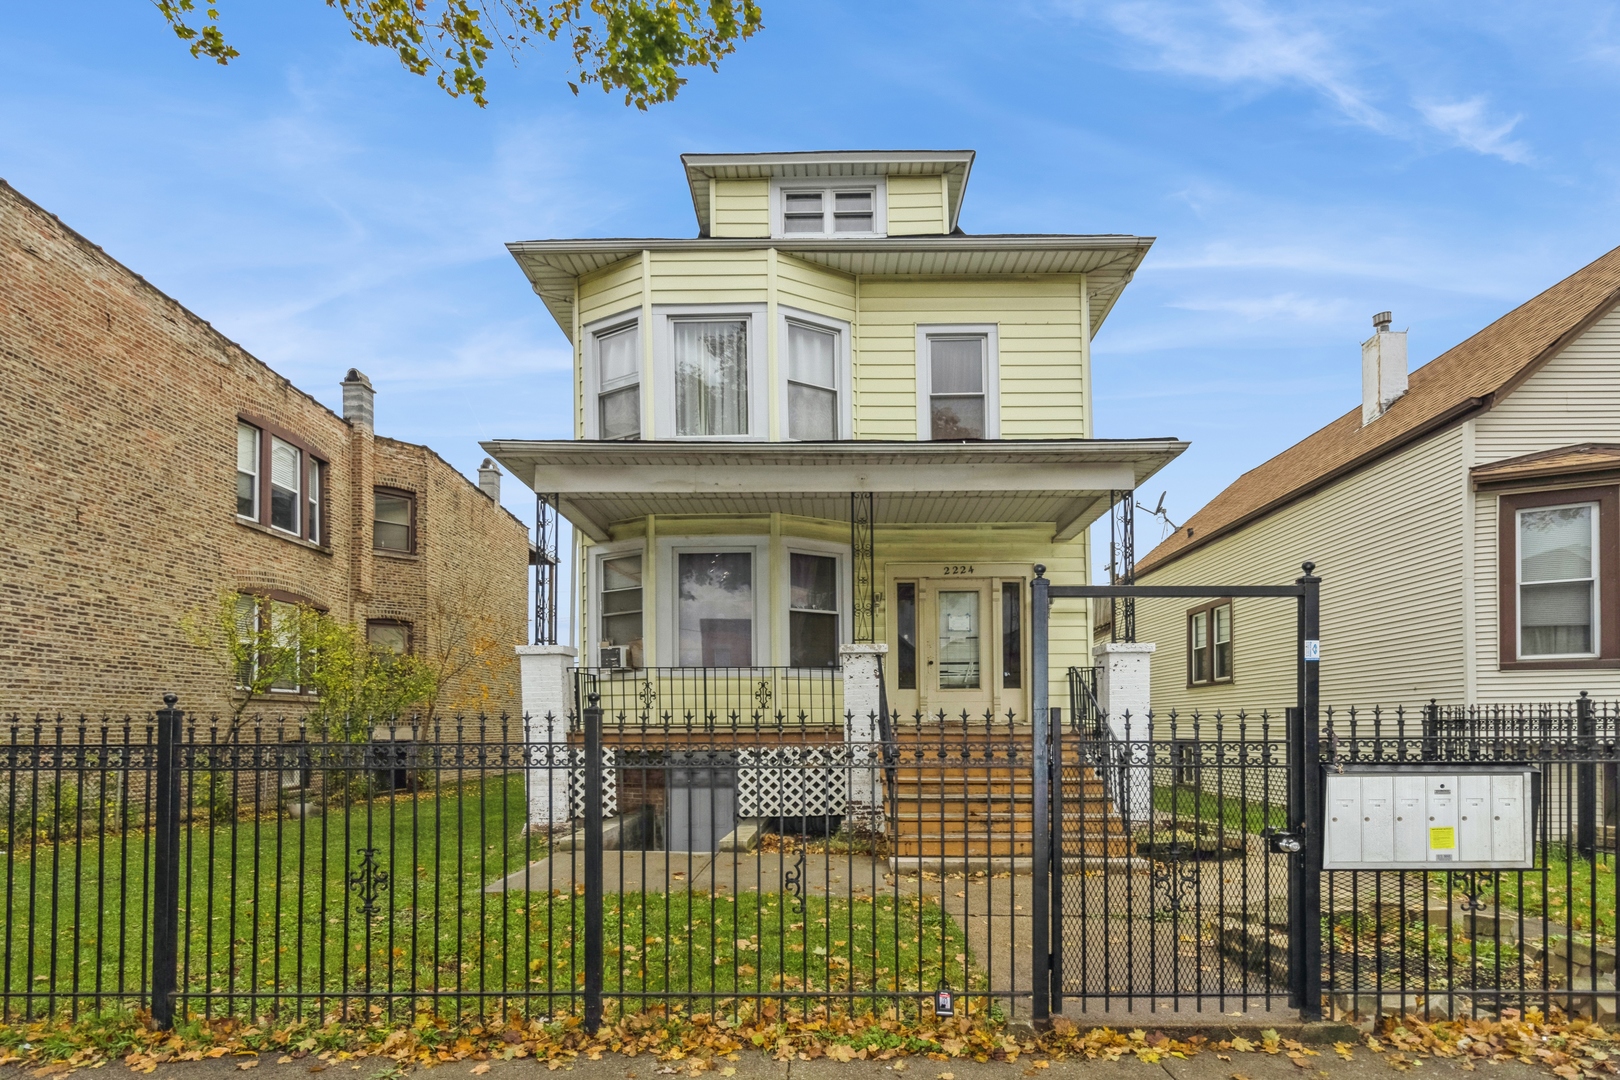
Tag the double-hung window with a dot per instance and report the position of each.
(956, 382)
(812, 611)
(1557, 581)
(812, 398)
(842, 210)
(711, 377)
(286, 485)
(1209, 643)
(247, 471)
(394, 521)
(618, 371)
(621, 604)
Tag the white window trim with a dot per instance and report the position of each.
(992, 375)
(668, 603)
(591, 376)
(1597, 583)
(593, 583)
(879, 186)
(782, 620)
(664, 317)
(844, 370)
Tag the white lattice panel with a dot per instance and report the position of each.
(790, 781)
(610, 786)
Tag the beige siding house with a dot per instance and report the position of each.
(1463, 522)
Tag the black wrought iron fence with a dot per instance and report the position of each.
(699, 699)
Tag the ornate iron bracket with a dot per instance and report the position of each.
(793, 882)
(369, 881)
(1176, 877)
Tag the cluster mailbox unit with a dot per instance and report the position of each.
(1430, 816)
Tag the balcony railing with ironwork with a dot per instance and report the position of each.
(704, 699)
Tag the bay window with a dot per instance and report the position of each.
(621, 605)
(812, 371)
(280, 481)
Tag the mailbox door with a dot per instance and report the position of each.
(1474, 818)
(1509, 814)
(1377, 819)
(1411, 832)
(1344, 820)
(1442, 818)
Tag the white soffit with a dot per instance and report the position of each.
(1065, 483)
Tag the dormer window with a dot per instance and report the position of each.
(843, 210)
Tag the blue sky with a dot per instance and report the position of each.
(1302, 166)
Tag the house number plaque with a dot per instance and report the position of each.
(958, 569)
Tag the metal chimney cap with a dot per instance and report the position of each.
(1382, 320)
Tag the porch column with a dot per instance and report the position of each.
(546, 675)
(862, 735)
(1123, 679)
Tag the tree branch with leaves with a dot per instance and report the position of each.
(640, 47)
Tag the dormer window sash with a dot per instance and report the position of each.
(830, 209)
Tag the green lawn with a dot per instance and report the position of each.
(1236, 814)
(269, 918)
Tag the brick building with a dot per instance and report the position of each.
(148, 466)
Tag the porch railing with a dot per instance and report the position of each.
(673, 699)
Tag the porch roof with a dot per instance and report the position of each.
(1061, 482)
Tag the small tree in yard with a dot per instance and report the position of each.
(264, 645)
(468, 650)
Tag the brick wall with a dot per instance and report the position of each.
(118, 413)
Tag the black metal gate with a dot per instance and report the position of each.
(1178, 868)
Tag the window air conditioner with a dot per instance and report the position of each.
(614, 657)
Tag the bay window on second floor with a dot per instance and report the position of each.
(710, 376)
(279, 482)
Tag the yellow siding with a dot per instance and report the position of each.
(1575, 398)
(1019, 545)
(1042, 375)
(1387, 543)
(916, 206)
(741, 208)
(702, 277)
(813, 288)
(611, 290)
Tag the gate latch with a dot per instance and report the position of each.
(1283, 842)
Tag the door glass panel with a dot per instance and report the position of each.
(959, 640)
(1012, 642)
(905, 596)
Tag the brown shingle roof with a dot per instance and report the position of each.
(1468, 377)
(1567, 461)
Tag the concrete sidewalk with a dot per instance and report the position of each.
(752, 1065)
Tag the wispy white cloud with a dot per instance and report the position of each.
(1247, 42)
(1293, 306)
(1468, 125)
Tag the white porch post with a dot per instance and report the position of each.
(864, 797)
(1123, 681)
(545, 672)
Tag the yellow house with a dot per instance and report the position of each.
(1463, 520)
(830, 418)
(818, 450)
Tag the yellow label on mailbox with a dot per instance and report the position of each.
(1442, 839)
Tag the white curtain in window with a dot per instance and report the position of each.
(711, 377)
(1556, 581)
(812, 382)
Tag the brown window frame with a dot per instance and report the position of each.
(1208, 610)
(403, 493)
(262, 599)
(410, 631)
(312, 460)
(1508, 506)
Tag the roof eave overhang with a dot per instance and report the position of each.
(554, 267)
(1066, 484)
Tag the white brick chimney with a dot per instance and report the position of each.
(489, 480)
(1383, 368)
